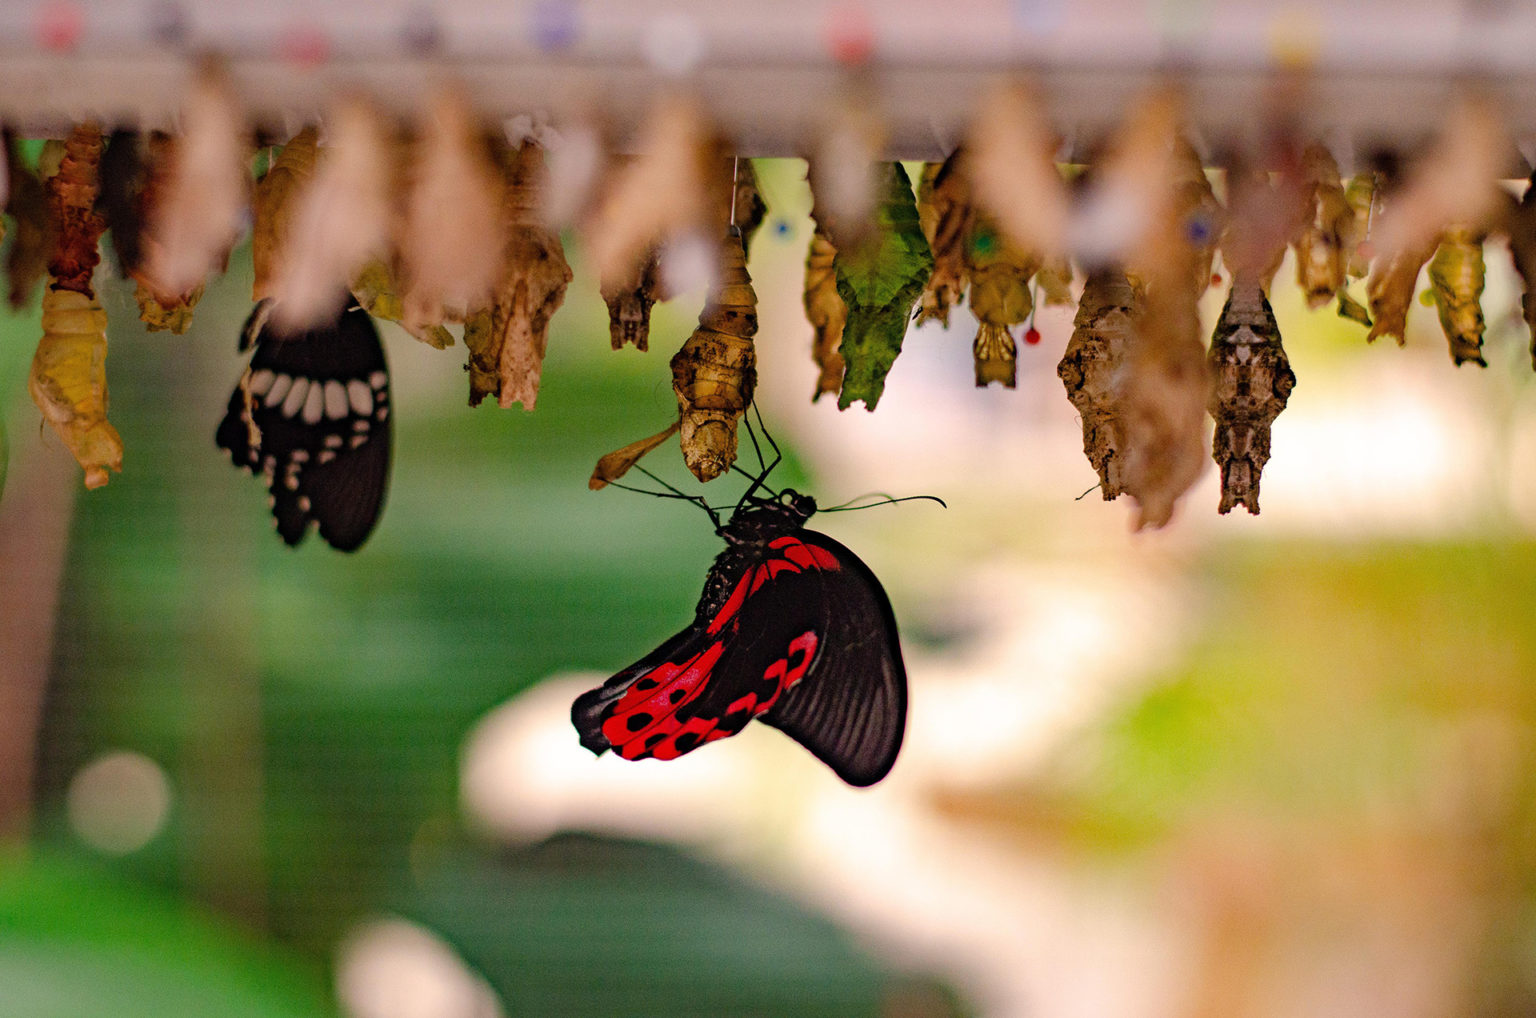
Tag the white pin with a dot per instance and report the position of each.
(296, 396)
(360, 397)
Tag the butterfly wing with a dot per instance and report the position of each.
(850, 710)
(311, 415)
(805, 642)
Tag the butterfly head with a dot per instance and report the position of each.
(771, 515)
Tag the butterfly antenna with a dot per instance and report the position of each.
(886, 500)
(1090, 491)
(674, 492)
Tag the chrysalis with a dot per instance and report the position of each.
(1092, 370)
(159, 311)
(1520, 224)
(1456, 277)
(450, 239)
(1321, 245)
(713, 375)
(68, 381)
(199, 212)
(274, 203)
(827, 313)
(1013, 175)
(1360, 194)
(945, 213)
(659, 194)
(1390, 289)
(1000, 298)
(629, 303)
(1251, 381)
(378, 292)
(507, 341)
(1055, 282)
(342, 219)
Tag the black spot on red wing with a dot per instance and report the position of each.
(677, 694)
(647, 684)
(637, 721)
(687, 741)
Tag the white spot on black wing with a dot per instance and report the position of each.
(308, 394)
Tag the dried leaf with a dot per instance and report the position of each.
(629, 304)
(1456, 277)
(1092, 369)
(617, 463)
(199, 210)
(68, 381)
(274, 205)
(715, 372)
(1000, 272)
(657, 195)
(1390, 289)
(376, 290)
(175, 318)
(343, 218)
(944, 211)
(450, 240)
(880, 280)
(1251, 383)
(1013, 173)
(1320, 247)
(76, 225)
(827, 313)
(506, 353)
(27, 204)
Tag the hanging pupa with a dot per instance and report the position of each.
(507, 341)
(1092, 369)
(715, 372)
(1251, 381)
(944, 211)
(1456, 276)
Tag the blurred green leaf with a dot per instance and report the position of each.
(76, 942)
(880, 280)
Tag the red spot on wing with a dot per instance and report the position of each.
(641, 714)
(806, 556)
(732, 605)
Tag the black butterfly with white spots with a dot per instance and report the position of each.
(311, 415)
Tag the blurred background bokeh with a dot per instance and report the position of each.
(1269, 766)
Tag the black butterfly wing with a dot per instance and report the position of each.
(311, 414)
(850, 710)
(806, 642)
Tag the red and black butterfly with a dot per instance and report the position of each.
(311, 415)
(792, 629)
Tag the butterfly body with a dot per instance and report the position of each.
(792, 629)
(311, 416)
